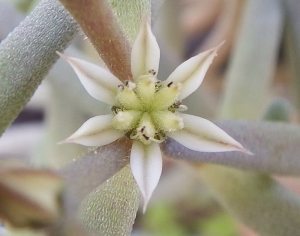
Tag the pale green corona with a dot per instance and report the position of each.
(147, 109)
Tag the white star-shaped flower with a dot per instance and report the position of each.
(148, 110)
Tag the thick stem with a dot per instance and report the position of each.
(28, 53)
(100, 26)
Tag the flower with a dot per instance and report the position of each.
(148, 110)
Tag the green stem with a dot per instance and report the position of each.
(28, 53)
(98, 22)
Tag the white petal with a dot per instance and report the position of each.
(145, 52)
(202, 135)
(98, 82)
(191, 72)
(97, 131)
(146, 167)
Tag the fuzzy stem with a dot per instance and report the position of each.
(28, 53)
(101, 27)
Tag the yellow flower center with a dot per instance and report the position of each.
(147, 109)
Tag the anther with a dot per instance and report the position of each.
(169, 84)
(158, 85)
(153, 72)
(121, 87)
(158, 138)
(130, 85)
(116, 109)
(146, 137)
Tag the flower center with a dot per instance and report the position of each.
(145, 110)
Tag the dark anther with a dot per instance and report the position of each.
(169, 84)
(157, 136)
(146, 137)
(143, 128)
(126, 82)
(175, 106)
(153, 72)
(121, 86)
(116, 109)
(157, 85)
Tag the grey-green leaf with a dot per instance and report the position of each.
(275, 146)
(83, 176)
(86, 174)
(28, 53)
(111, 209)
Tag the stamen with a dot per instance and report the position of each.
(121, 87)
(153, 72)
(145, 136)
(158, 138)
(169, 84)
(116, 109)
(174, 107)
(158, 85)
(177, 103)
(177, 106)
(130, 85)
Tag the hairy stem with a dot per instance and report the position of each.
(28, 53)
(101, 27)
